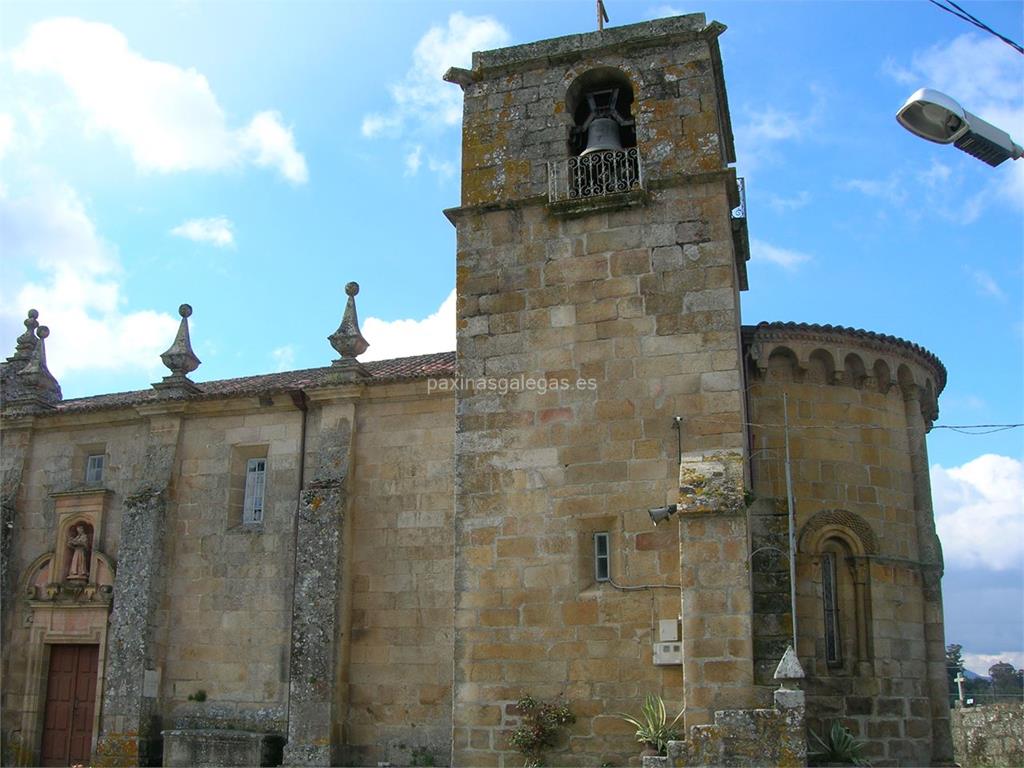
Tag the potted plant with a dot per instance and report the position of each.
(652, 726)
(841, 748)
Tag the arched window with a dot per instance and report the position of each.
(838, 544)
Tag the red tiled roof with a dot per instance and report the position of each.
(381, 371)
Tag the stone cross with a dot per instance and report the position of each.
(960, 680)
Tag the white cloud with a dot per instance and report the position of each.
(381, 125)
(413, 161)
(216, 231)
(284, 357)
(167, 117)
(783, 257)
(442, 168)
(398, 338)
(783, 204)
(6, 134)
(273, 146)
(937, 175)
(985, 76)
(986, 284)
(664, 11)
(924, 193)
(762, 128)
(422, 96)
(979, 512)
(75, 286)
(892, 189)
(979, 663)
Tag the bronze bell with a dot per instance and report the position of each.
(602, 135)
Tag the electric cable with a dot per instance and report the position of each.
(963, 15)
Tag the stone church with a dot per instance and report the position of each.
(370, 563)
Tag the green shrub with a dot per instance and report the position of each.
(840, 747)
(652, 726)
(539, 729)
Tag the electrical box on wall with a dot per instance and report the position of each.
(668, 653)
(668, 650)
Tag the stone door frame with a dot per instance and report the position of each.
(44, 635)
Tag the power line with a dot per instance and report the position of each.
(988, 428)
(962, 428)
(963, 15)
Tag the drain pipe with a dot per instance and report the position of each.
(792, 518)
(301, 402)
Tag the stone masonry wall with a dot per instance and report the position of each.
(223, 610)
(399, 671)
(992, 735)
(515, 117)
(229, 590)
(637, 311)
(51, 467)
(852, 480)
(536, 473)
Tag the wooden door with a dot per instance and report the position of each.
(70, 702)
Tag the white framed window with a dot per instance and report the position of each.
(602, 557)
(94, 468)
(255, 490)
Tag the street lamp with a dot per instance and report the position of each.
(937, 117)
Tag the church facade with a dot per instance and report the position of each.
(372, 562)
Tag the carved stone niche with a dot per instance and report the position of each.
(76, 570)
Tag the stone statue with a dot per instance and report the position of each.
(79, 546)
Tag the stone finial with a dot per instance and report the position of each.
(34, 385)
(27, 341)
(787, 673)
(348, 341)
(180, 359)
(789, 667)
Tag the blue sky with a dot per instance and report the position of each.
(250, 159)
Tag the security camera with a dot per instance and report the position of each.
(659, 514)
(934, 116)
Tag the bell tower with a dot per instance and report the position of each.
(601, 253)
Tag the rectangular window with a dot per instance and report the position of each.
(94, 468)
(602, 564)
(255, 490)
(829, 596)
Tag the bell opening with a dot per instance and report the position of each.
(600, 101)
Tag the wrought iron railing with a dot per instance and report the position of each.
(596, 174)
(740, 211)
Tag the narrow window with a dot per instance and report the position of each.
(94, 468)
(255, 487)
(830, 599)
(602, 566)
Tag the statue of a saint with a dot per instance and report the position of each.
(79, 545)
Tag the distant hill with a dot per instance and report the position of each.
(975, 676)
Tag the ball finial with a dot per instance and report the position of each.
(185, 310)
(42, 331)
(33, 314)
(352, 289)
